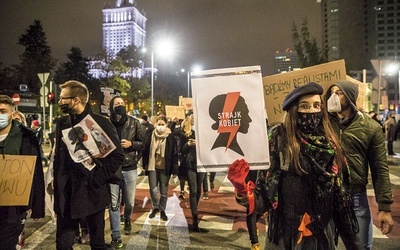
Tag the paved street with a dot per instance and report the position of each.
(220, 214)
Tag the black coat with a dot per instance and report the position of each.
(171, 155)
(77, 190)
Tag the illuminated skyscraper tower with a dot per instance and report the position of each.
(123, 26)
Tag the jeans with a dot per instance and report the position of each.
(128, 186)
(364, 218)
(195, 180)
(159, 179)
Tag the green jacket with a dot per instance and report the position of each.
(364, 145)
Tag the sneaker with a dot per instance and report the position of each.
(116, 244)
(84, 238)
(153, 213)
(212, 186)
(127, 227)
(182, 195)
(122, 219)
(163, 216)
(205, 196)
(256, 246)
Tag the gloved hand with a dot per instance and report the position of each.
(237, 174)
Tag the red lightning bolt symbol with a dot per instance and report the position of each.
(229, 105)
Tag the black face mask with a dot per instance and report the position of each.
(65, 108)
(120, 110)
(308, 122)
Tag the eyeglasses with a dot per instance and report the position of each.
(305, 107)
(66, 98)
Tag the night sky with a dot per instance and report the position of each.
(212, 33)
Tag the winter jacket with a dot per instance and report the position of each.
(131, 130)
(171, 155)
(364, 145)
(188, 153)
(23, 140)
(77, 190)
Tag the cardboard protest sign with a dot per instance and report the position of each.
(229, 118)
(108, 94)
(362, 92)
(186, 102)
(175, 111)
(16, 176)
(277, 87)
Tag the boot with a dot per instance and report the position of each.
(196, 223)
(127, 227)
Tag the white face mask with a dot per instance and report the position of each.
(334, 105)
(161, 129)
(4, 121)
(193, 128)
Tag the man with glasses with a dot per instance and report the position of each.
(78, 191)
(364, 145)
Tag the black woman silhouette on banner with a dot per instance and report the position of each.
(77, 136)
(231, 115)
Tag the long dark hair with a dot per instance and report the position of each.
(292, 129)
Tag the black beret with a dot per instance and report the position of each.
(310, 88)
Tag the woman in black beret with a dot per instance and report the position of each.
(306, 189)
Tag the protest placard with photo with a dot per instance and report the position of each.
(229, 118)
(87, 140)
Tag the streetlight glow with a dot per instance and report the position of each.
(163, 48)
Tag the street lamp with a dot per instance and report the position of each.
(195, 68)
(164, 48)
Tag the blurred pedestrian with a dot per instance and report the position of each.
(390, 131)
(19, 116)
(160, 161)
(364, 144)
(36, 126)
(189, 163)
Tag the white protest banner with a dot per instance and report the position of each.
(229, 118)
(175, 111)
(277, 87)
(16, 176)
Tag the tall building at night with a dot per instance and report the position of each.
(285, 61)
(361, 30)
(123, 26)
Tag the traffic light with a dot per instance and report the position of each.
(51, 99)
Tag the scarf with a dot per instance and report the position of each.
(157, 146)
